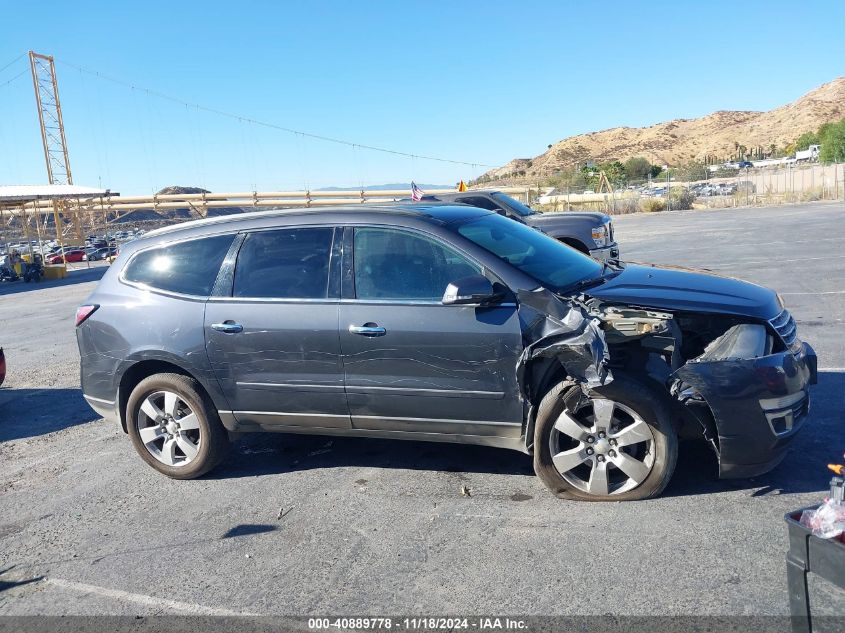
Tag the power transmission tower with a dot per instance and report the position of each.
(52, 133)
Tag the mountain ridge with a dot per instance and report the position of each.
(684, 140)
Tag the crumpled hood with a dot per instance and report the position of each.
(669, 288)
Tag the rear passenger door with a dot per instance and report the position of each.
(413, 364)
(271, 331)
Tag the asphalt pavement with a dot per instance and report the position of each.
(310, 525)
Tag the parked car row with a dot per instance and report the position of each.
(715, 189)
(94, 247)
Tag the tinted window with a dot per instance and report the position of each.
(187, 267)
(392, 264)
(514, 204)
(481, 203)
(285, 264)
(536, 254)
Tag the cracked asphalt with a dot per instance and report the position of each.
(309, 525)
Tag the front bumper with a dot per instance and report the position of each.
(758, 405)
(606, 253)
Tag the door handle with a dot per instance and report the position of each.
(228, 327)
(368, 329)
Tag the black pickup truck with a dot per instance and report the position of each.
(588, 232)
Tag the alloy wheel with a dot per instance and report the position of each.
(602, 448)
(169, 428)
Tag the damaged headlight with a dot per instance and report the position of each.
(745, 341)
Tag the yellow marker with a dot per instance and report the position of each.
(837, 469)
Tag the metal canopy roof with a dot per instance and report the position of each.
(27, 193)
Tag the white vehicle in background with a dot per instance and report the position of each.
(809, 154)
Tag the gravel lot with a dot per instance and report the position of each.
(380, 527)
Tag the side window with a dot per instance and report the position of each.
(391, 264)
(187, 267)
(284, 264)
(482, 203)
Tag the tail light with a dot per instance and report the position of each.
(83, 312)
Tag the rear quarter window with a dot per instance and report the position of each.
(188, 267)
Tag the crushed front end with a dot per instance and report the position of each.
(758, 402)
(742, 384)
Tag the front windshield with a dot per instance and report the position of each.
(514, 204)
(553, 264)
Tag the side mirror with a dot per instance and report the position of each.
(472, 290)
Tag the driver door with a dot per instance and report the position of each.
(411, 363)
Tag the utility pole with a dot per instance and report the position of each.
(668, 190)
(52, 133)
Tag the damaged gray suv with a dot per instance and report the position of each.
(438, 323)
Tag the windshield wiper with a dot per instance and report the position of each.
(589, 283)
(594, 281)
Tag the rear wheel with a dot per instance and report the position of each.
(174, 427)
(616, 443)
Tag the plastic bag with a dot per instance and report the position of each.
(827, 521)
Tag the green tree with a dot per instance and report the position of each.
(692, 171)
(637, 168)
(655, 170)
(805, 140)
(832, 143)
(615, 171)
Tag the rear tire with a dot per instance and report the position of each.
(615, 444)
(174, 426)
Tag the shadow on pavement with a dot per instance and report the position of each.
(6, 584)
(78, 276)
(33, 412)
(248, 529)
(803, 470)
(279, 453)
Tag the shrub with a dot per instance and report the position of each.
(650, 205)
(681, 198)
(624, 206)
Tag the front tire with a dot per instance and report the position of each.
(616, 443)
(174, 427)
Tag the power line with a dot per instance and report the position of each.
(19, 57)
(15, 77)
(266, 124)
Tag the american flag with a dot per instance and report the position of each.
(416, 192)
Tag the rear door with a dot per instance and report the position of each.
(272, 338)
(413, 364)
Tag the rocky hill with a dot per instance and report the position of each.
(683, 140)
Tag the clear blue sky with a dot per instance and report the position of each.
(481, 81)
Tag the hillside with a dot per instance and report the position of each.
(683, 140)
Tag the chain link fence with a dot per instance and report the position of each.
(721, 189)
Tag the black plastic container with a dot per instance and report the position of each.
(809, 554)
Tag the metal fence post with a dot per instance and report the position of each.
(668, 190)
